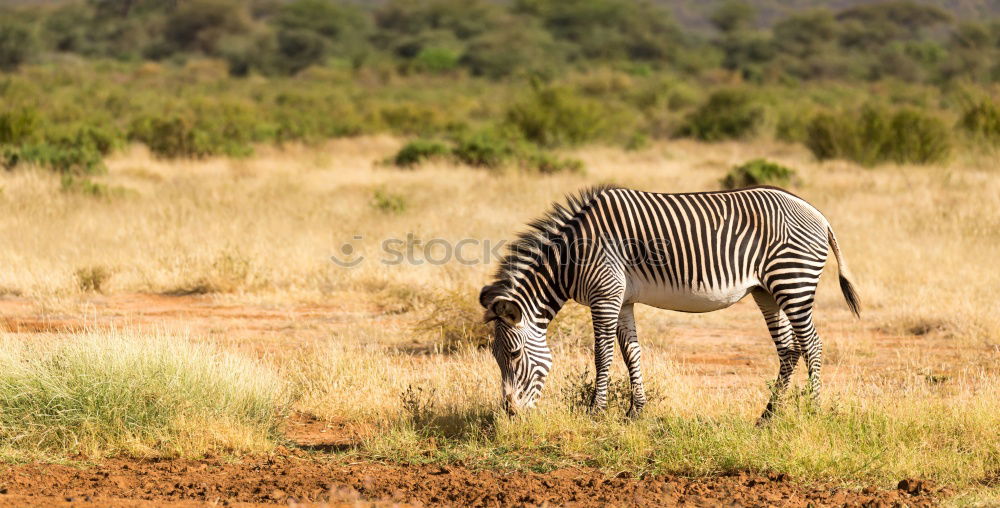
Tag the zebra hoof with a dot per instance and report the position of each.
(633, 414)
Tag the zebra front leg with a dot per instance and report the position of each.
(786, 346)
(628, 343)
(605, 318)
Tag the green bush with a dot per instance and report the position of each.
(17, 43)
(216, 132)
(388, 202)
(17, 126)
(484, 149)
(547, 164)
(418, 151)
(728, 114)
(876, 135)
(63, 158)
(982, 119)
(758, 172)
(553, 116)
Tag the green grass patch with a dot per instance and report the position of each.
(115, 392)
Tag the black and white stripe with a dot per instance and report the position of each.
(610, 248)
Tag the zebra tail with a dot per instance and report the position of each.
(850, 294)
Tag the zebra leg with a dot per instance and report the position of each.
(786, 345)
(605, 317)
(799, 313)
(628, 343)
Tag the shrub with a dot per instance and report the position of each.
(728, 114)
(80, 159)
(436, 60)
(418, 151)
(218, 130)
(877, 135)
(388, 202)
(982, 119)
(92, 278)
(553, 116)
(758, 172)
(455, 321)
(547, 164)
(17, 126)
(17, 43)
(484, 149)
(121, 392)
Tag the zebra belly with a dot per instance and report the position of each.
(689, 299)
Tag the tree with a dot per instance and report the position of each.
(733, 15)
(17, 44)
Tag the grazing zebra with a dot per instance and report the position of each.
(610, 248)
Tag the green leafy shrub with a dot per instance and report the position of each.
(436, 59)
(417, 151)
(186, 135)
(758, 172)
(728, 114)
(64, 158)
(982, 119)
(484, 149)
(17, 126)
(554, 116)
(876, 135)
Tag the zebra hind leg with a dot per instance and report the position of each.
(628, 343)
(800, 315)
(605, 318)
(786, 345)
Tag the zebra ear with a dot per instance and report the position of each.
(507, 311)
(486, 296)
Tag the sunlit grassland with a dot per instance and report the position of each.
(920, 241)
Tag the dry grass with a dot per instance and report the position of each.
(911, 389)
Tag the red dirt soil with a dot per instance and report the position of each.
(288, 479)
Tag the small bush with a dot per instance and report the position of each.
(17, 126)
(388, 202)
(728, 114)
(758, 172)
(484, 149)
(418, 151)
(982, 119)
(92, 278)
(553, 116)
(455, 321)
(64, 158)
(876, 135)
(120, 392)
(548, 164)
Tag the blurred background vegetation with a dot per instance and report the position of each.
(495, 83)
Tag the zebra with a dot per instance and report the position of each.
(610, 248)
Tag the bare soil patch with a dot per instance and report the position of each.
(290, 479)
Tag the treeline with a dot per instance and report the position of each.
(902, 39)
(494, 85)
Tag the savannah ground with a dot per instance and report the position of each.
(182, 335)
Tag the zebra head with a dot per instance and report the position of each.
(519, 347)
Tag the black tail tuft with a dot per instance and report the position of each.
(850, 295)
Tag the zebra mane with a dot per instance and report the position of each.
(532, 245)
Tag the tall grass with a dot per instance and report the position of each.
(113, 392)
